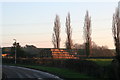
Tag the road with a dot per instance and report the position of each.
(15, 72)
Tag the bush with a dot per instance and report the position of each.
(84, 66)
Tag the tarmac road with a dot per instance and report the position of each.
(15, 73)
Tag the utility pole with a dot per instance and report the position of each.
(15, 44)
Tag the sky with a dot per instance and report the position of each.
(32, 22)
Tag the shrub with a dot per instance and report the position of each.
(84, 66)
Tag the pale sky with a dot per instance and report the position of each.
(32, 22)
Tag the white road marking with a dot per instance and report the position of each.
(20, 76)
(40, 78)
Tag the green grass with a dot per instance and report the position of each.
(65, 73)
(102, 62)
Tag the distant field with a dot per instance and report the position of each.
(102, 62)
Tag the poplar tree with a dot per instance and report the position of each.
(56, 34)
(87, 34)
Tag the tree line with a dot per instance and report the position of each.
(69, 42)
(87, 30)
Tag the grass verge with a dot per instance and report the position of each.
(63, 73)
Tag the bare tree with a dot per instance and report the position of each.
(87, 33)
(56, 34)
(68, 42)
(116, 32)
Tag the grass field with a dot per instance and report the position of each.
(102, 62)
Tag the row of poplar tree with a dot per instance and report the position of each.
(69, 42)
(87, 32)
